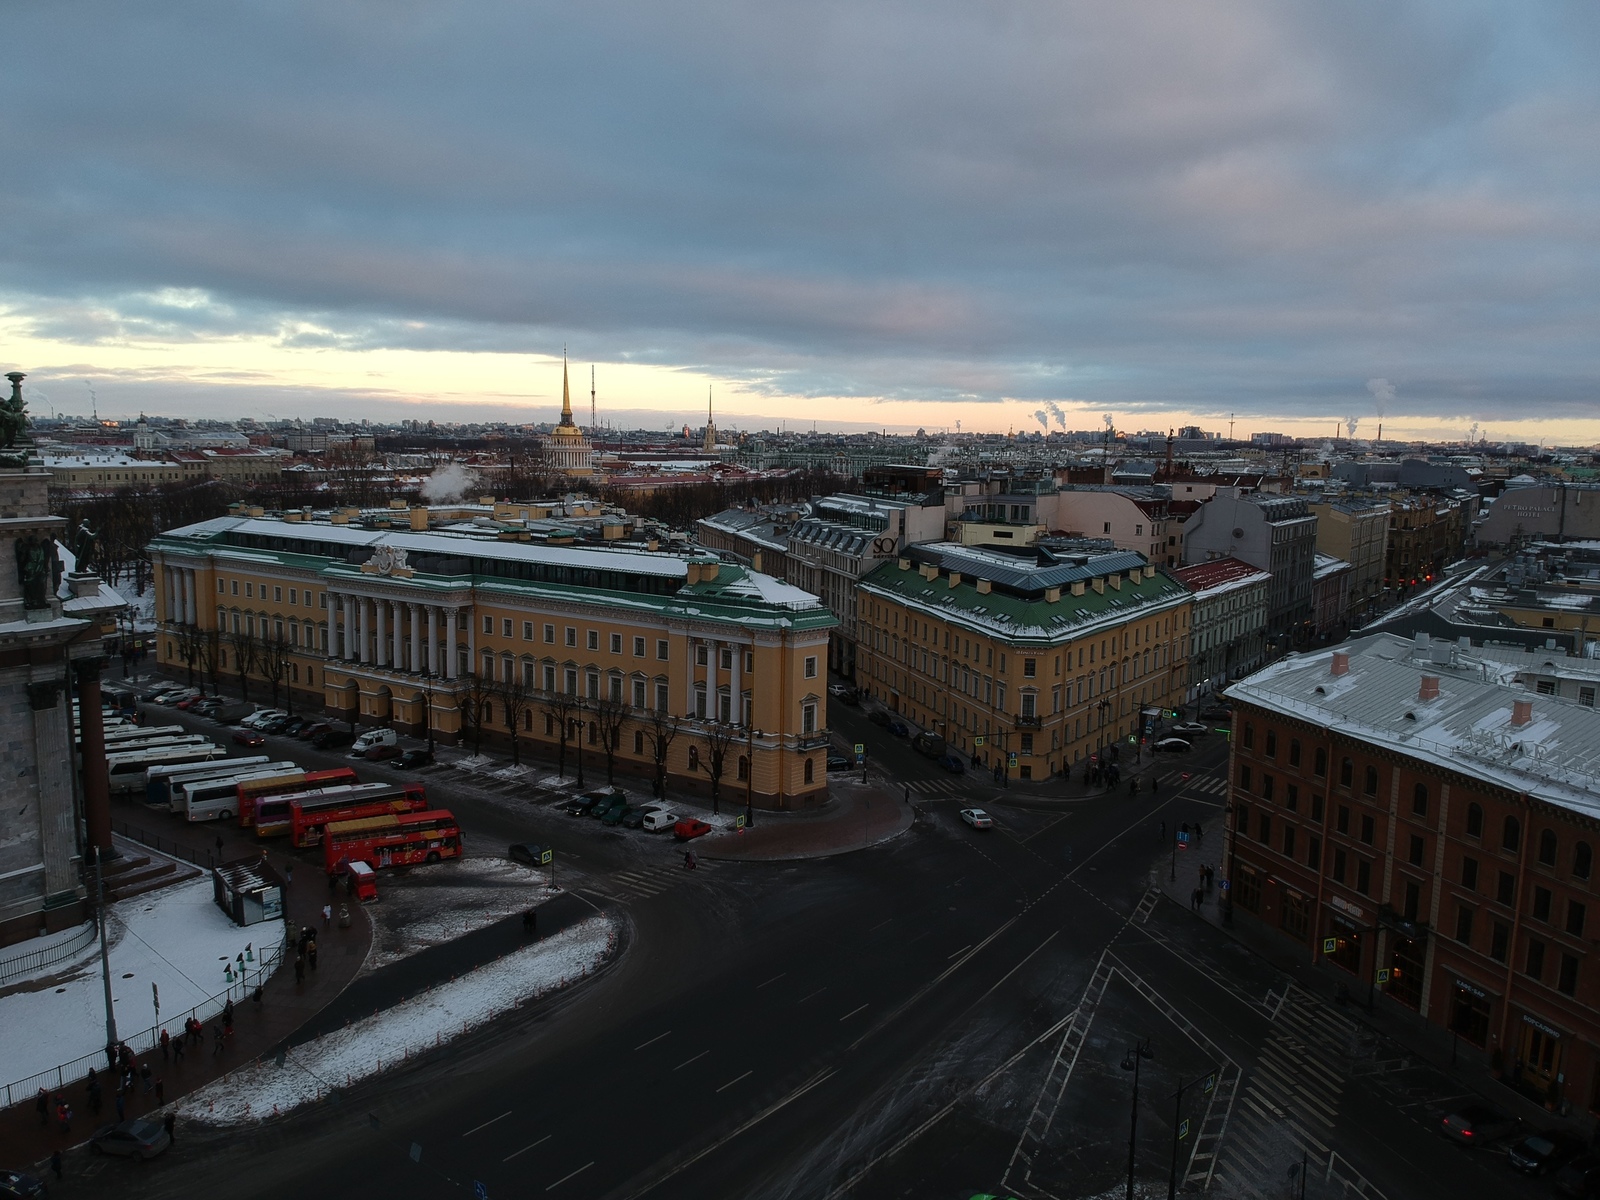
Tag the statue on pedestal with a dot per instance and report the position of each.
(38, 569)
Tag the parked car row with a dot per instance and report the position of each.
(610, 806)
(1565, 1158)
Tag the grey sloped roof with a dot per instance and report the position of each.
(1025, 574)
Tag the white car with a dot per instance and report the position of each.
(658, 819)
(976, 817)
(260, 715)
(175, 696)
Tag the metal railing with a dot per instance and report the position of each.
(58, 1077)
(165, 845)
(37, 960)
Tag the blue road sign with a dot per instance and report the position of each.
(479, 1191)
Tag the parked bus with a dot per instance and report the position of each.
(129, 745)
(309, 815)
(123, 732)
(275, 815)
(392, 841)
(159, 781)
(128, 771)
(289, 781)
(217, 799)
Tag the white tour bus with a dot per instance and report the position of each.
(161, 782)
(136, 732)
(218, 799)
(128, 771)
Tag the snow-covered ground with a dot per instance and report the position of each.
(176, 939)
(430, 905)
(411, 1027)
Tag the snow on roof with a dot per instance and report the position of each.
(1220, 573)
(1467, 729)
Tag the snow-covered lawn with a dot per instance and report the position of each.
(176, 939)
(430, 905)
(411, 1027)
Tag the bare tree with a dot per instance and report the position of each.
(190, 639)
(246, 652)
(211, 657)
(272, 655)
(562, 708)
(609, 718)
(718, 736)
(474, 695)
(515, 694)
(662, 729)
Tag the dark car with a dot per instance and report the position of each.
(292, 726)
(1216, 712)
(135, 1139)
(273, 725)
(1541, 1153)
(880, 717)
(898, 728)
(1580, 1178)
(307, 732)
(15, 1183)
(582, 806)
(952, 764)
(249, 737)
(618, 814)
(688, 829)
(633, 818)
(524, 852)
(380, 752)
(609, 810)
(412, 759)
(333, 739)
(1172, 746)
(837, 762)
(1476, 1125)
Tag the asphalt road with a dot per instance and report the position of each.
(893, 1022)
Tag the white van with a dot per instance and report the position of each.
(375, 737)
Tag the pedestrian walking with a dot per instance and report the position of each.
(166, 1041)
(327, 916)
(299, 969)
(907, 794)
(311, 953)
(93, 1090)
(219, 845)
(41, 1105)
(170, 1124)
(1195, 898)
(63, 1114)
(177, 1053)
(227, 1014)
(55, 1164)
(1199, 833)
(144, 1074)
(161, 1093)
(216, 1034)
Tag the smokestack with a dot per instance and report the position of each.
(1521, 713)
(1341, 663)
(1429, 689)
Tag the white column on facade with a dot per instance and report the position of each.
(416, 663)
(433, 639)
(688, 677)
(190, 602)
(363, 646)
(399, 656)
(450, 643)
(737, 697)
(182, 607)
(381, 629)
(472, 640)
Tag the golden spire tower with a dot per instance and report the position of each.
(566, 449)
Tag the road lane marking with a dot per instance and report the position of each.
(653, 1040)
(963, 950)
(525, 1149)
(731, 1082)
(879, 925)
(687, 1061)
(774, 979)
(818, 992)
(564, 1178)
(850, 1014)
(487, 1123)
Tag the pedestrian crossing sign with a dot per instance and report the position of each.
(1011, 760)
(1383, 974)
(977, 741)
(861, 748)
(1330, 945)
(546, 855)
(738, 822)
(1183, 1129)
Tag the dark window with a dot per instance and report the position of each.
(1469, 873)
(1363, 875)
(1511, 834)
(1314, 852)
(1413, 900)
(1582, 860)
(1575, 914)
(1343, 823)
(1547, 847)
(1541, 904)
(1249, 739)
(1294, 915)
(1347, 772)
(1367, 827)
(1291, 797)
(1474, 821)
(1417, 848)
(1294, 752)
(1316, 808)
(1265, 828)
(1499, 941)
(1272, 743)
(1267, 782)
(1370, 786)
(1244, 777)
(1338, 865)
(1464, 925)
(1507, 892)
(1534, 965)
(1419, 800)
(1242, 817)
(1567, 981)
(1288, 841)
(1249, 889)
(1319, 763)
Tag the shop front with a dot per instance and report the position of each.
(1469, 1012)
(1536, 1065)
(1344, 944)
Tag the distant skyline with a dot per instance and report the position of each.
(875, 214)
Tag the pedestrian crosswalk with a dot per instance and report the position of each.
(936, 787)
(643, 882)
(1209, 784)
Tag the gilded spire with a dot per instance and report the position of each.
(566, 391)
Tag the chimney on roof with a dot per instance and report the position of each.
(1341, 663)
(1521, 713)
(1429, 689)
(419, 518)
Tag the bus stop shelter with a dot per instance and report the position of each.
(248, 890)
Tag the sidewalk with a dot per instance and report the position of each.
(857, 816)
(285, 1006)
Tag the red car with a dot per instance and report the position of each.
(249, 737)
(379, 753)
(688, 829)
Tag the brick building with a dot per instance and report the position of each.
(1410, 813)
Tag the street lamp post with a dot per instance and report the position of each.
(750, 736)
(105, 954)
(577, 725)
(1209, 1079)
(1130, 1062)
(427, 716)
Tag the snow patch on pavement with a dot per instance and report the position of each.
(431, 905)
(411, 1027)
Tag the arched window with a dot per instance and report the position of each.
(1474, 821)
(1419, 800)
(811, 771)
(1582, 860)
(1294, 752)
(1547, 847)
(694, 758)
(1511, 834)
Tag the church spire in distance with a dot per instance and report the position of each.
(566, 391)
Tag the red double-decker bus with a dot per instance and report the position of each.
(274, 816)
(290, 781)
(309, 815)
(392, 841)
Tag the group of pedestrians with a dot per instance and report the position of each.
(306, 947)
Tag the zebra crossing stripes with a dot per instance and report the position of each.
(644, 882)
(1209, 784)
(936, 787)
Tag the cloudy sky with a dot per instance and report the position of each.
(855, 213)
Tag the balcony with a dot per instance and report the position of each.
(1027, 722)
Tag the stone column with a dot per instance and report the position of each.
(399, 655)
(52, 749)
(433, 639)
(472, 640)
(190, 580)
(381, 630)
(169, 576)
(416, 664)
(92, 733)
(363, 647)
(450, 644)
